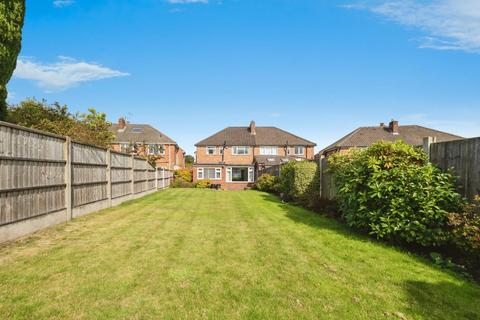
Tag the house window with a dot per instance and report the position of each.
(137, 130)
(240, 151)
(299, 151)
(240, 174)
(125, 147)
(211, 150)
(209, 173)
(156, 149)
(268, 151)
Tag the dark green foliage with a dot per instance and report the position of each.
(392, 191)
(465, 235)
(12, 13)
(91, 128)
(189, 160)
(267, 183)
(299, 181)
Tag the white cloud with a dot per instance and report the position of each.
(63, 3)
(447, 24)
(65, 73)
(186, 1)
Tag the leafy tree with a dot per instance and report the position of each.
(189, 160)
(12, 13)
(91, 128)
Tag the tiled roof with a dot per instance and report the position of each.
(142, 133)
(410, 134)
(264, 136)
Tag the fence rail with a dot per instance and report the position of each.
(47, 179)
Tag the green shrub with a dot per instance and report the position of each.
(465, 234)
(298, 181)
(267, 183)
(392, 191)
(202, 184)
(182, 184)
(184, 175)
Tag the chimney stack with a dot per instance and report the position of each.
(252, 128)
(382, 125)
(122, 123)
(393, 126)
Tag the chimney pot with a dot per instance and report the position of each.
(253, 128)
(393, 126)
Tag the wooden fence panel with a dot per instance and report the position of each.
(89, 174)
(328, 189)
(463, 158)
(32, 168)
(121, 173)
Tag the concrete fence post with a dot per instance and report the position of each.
(163, 178)
(109, 177)
(320, 170)
(427, 143)
(67, 151)
(133, 174)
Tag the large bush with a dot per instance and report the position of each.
(267, 183)
(299, 181)
(12, 13)
(183, 179)
(392, 191)
(465, 235)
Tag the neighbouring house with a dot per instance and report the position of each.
(143, 139)
(364, 137)
(235, 156)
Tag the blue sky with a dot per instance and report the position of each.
(316, 68)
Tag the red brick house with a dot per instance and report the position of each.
(234, 156)
(143, 139)
(364, 137)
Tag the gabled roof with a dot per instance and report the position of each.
(410, 134)
(264, 136)
(139, 133)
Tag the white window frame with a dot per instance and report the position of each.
(158, 149)
(269, 148)
(235, 150)
(210, 148)
(299, 154)
(250, 175)
(201, 173)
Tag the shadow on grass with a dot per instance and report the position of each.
(312, 219)
(425, 299)
(429, 300)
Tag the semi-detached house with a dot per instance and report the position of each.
(234, 156)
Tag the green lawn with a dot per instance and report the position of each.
(194, 254)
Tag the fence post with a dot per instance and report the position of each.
(67, 151)
(133, 174)
(109, 177)
(427, 142)
(320, 170)
(163, 178)
(156, 178)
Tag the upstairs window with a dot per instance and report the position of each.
(211, 151)
(137, 130)
(299, 151)
(240, 150)
(268, 151)
(156, 149)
